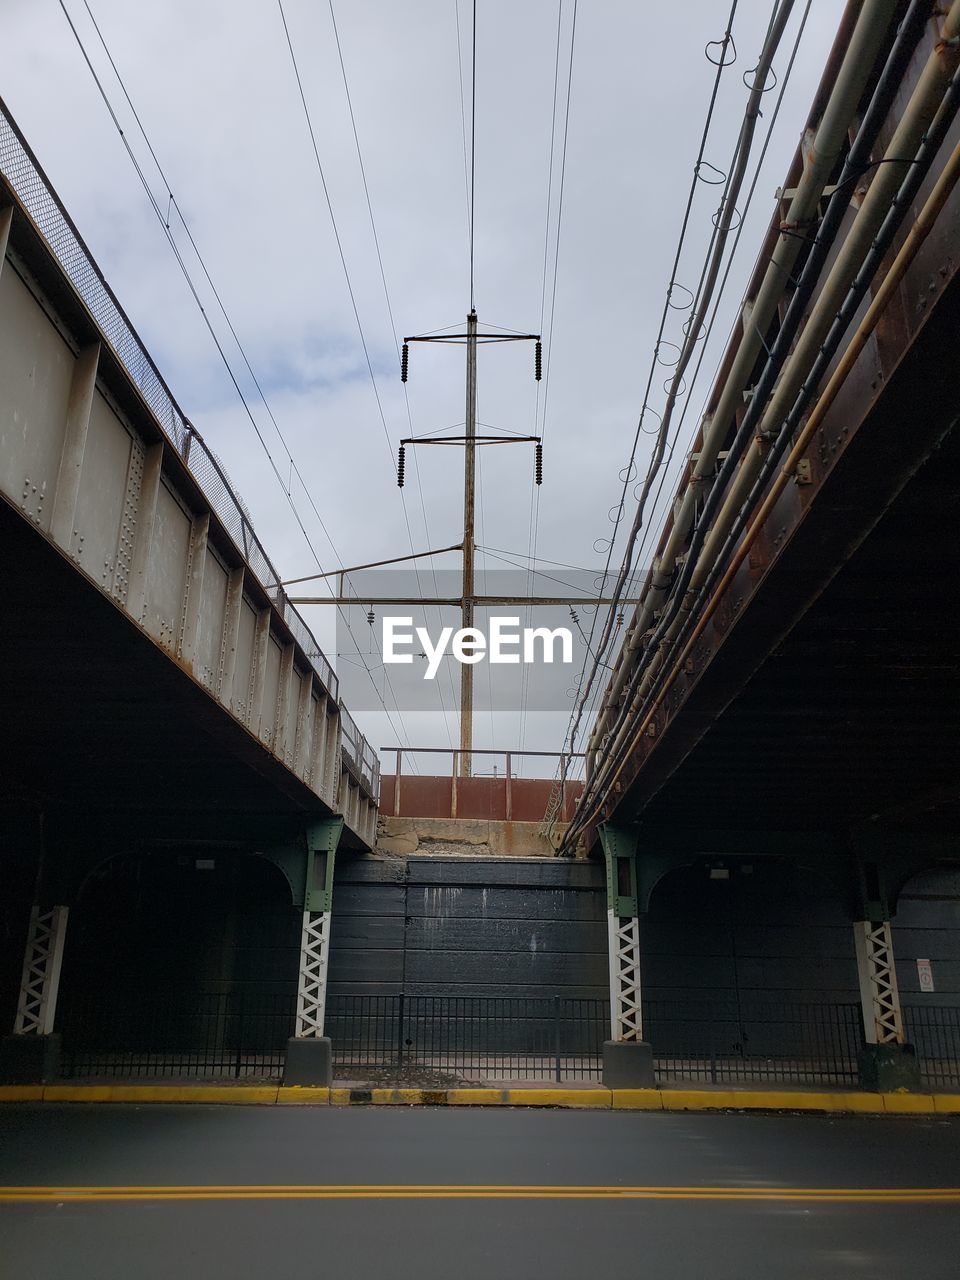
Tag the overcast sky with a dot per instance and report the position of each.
(213, 84)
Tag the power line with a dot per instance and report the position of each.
(193, 290)
(346, 272)
(760, 162)
(473, 150)
(534, 517)
(721, 64)
(396, 343)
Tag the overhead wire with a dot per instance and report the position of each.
(540, 419)
(164, 222)
(652, 525)
(396, 343)
(721, 65)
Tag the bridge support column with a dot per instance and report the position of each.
(309, 1052)
(32, 1054)
(887, 1062)
(627, 1058)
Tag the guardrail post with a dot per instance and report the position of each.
(396, 785)
(508, 774)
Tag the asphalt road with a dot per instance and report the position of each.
(357, 1193)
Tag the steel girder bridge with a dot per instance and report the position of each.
(789, 683)
(158, 689)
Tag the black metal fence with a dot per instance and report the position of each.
(782, 1043)
(468, 1039)
(935, 1034)
(205, 1035)
(448, 1040)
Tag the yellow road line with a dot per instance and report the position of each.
(875, 1195)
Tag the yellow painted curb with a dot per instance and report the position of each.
(908, 1103)
(637, 1100)
(302, 1096)
(476, 1097)
(240, 1095)
(603, 1099)
(703, 1099)
(559, 1098)
(79, 1093)
(21, 1092)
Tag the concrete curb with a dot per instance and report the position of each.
(852, 1103)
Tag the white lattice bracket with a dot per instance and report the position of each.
(314, 961)
(879, 995)
(626, 1016)
(40, 982)
(623, 932)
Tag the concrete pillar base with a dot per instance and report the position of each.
(886, 1067)
(30, 1059)
(628, 1064)
(309, 1061)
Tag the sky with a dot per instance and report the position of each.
(577, 203)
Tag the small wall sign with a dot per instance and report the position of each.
(925, 974)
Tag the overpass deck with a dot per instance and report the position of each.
(152, 661)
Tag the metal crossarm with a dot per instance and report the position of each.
(42, 959)
(880, 997)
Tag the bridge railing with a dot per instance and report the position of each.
(500, 784)
(21, 169)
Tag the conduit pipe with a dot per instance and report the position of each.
(723, 221)
(944, 186)
(819, 160)
(916, 120)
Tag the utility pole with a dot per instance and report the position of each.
(470, 441)
(469, 543)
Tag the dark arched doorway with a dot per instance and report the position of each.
(749, 971)
(179, 963)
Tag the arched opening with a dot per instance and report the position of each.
(179, 963)
(750, 962)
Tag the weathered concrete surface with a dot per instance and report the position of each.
(474, 836)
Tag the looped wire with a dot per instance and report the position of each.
(602, 544)
(733, 224)
(767, 87)
(658, 416)
(701, 334)
(710, 182)
(668, 364)
(722, 45)
(679, 306)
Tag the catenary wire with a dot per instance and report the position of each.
(194, 292)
